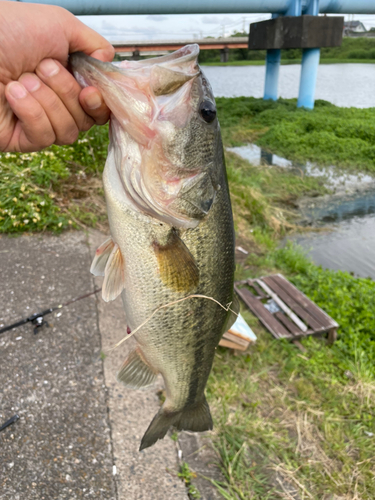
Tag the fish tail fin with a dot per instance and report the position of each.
(196, 418)
(159, 427)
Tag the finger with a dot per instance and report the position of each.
(93, 103)
(33, 130)
(84, 39)
(63, 123)
(63, 83)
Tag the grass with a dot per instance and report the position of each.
(187, 475)
(54, 189)
(291, 424)
(327, 135)
(285, 427)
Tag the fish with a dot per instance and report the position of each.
(171, 251)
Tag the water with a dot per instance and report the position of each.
(348, 216)
(341, 84)
(350, 246)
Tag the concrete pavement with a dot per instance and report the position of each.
(79, 430)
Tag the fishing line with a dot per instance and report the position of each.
(37, 319)
(226, 308)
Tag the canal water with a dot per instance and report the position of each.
(342, 84)
(347, 218)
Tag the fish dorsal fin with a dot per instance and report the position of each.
(114, 275)
(135, 372)
(177, 267)
(101, 257)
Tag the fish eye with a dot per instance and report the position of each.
(208, 111)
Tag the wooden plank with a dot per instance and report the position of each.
(292, 327)
(251, 285)
(236, 339)
(231, 345)
(263, 315)
(305, 302)
(300, 311)
(257, 288)
(283, 306)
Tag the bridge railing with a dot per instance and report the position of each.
(310, 57)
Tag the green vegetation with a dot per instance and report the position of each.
(286, 422)
(327, 135)
(352, 50)
(54, 189)
(290, 423)
(187, 475)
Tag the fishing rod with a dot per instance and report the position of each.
(37, 319)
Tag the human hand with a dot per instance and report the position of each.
(41, 103)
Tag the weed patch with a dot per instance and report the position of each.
(54, 189)
(327, 135)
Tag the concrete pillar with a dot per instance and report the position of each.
(309, 72)
(272, 74)
(224, 54)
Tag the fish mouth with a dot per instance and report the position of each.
(147, 100)
(168, 73)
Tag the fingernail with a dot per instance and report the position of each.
(93, 101)
(30, 82)
(17, 90)
(49, 68)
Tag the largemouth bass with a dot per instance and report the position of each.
(171, 226)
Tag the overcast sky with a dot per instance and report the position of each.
(166, 27)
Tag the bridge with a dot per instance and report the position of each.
(147, 48)
(284, 9)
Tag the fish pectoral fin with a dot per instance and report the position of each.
(177, 267)
(135, 372)
(196, 418)
(114, 275)
(101, 257)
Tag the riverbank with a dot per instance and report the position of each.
(286, 420)
(286, 62)
(297, 422)
(351, 50)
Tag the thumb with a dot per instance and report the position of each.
(81, 38)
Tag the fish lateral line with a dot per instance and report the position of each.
(164, 306)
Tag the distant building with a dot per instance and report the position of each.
(353, 26)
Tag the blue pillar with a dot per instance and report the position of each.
(309, 67)
(307, 84)
(272, 74)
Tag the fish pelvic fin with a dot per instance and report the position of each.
(114, 275)
(177, 267)
(135, 372)
(196, 418)
(101, 257)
